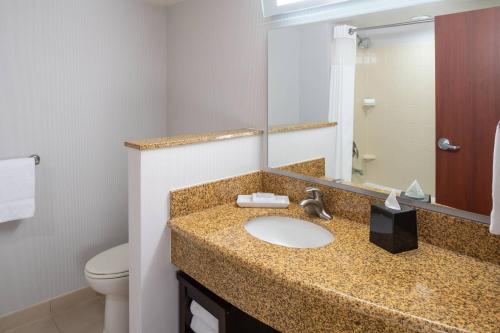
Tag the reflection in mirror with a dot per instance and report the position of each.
(382, 106)
(394, 110)
(301, 132)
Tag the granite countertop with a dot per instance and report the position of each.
(300, 127)
(426, 290)
(179, 140)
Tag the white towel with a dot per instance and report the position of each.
(17, 189)
(198, 311)
(495, 213)
(200, 326)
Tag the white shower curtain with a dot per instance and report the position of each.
(342, 98)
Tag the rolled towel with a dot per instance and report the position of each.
(495, 213)
(200, 326)
(198, 311)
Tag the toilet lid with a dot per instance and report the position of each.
(112, 262)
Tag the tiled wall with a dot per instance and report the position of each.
(400, 129)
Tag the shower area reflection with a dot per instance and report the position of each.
(392, 86)
(394, 109)
(374, 86)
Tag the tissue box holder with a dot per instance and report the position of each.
(394, 230)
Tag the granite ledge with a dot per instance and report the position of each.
(300, 127)
(179, 140)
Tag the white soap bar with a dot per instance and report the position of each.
(369, 102)
(369, 157)
(279, 201)
(262, 197)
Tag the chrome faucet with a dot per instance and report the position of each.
(313, 204)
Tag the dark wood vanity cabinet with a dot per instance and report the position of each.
(231, 319)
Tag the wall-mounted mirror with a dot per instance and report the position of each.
(403, 100)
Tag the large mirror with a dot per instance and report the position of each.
(403, 100)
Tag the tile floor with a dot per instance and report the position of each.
(86, 317)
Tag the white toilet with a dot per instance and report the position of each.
(107, 273)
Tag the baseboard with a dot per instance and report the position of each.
(47, 308)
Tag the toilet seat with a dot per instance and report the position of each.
(106, 276)
(110, 264)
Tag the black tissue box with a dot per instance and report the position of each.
(394, 230)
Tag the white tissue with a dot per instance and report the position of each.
(392, 202)
(415, 191)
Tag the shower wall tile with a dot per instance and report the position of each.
(400, 129)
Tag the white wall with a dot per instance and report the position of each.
(293, 147)
(217, 65)
(152, 175)
(299, 74)
(315, 62)
(284, 76)
(217, 59)
(77, 78)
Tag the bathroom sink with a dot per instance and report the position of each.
(289, 232)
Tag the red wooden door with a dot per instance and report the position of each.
(467, 106)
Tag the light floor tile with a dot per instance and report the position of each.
(20, 318)
(46, 325)
(87, 317)
(65, 302)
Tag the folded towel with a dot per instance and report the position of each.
(198, 311)
(17, 189)
(200, 326)
(495, 213)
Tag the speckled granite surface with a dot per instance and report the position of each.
(348, 286)
(312, 168)
(452, 233)
(208, 195)
(300, 127)
(449, 232)
(179, 140)
(200, 197)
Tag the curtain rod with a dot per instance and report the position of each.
(353, 30)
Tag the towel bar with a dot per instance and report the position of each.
(37, 158)
(34, 156)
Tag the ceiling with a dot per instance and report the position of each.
(163, 2)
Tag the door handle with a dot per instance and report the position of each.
(444, 144)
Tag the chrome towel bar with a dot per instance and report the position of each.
(34, 156)
(37, 158)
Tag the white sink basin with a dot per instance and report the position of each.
(289, 232)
